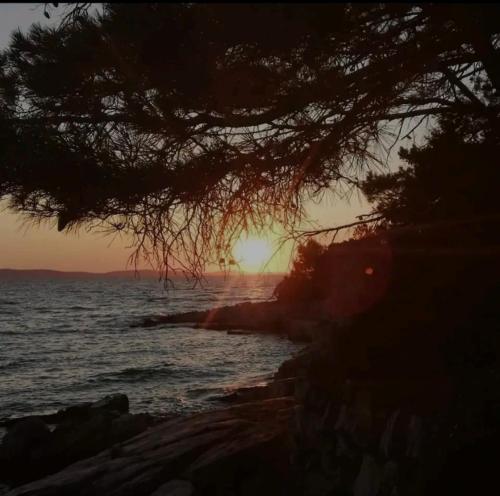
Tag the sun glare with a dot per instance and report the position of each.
(252, 254)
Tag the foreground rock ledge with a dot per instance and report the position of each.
(243, 449)
(36, 446)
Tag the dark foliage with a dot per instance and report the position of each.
(449, 185)
(184, 123)
(298, 286)
(453, 176)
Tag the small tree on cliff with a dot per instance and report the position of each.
(299, 284)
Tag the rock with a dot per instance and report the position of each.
(283, 387)
(302, 388)
(262, 317)
(296, 365)
(128, 425)
(114, 402)
(30, 450)
(175, 487)
(73, 441)
(117, 403)
(275, 389)
(369, 478)
(317, 484)
(209, 449)
(23, 437)
(415, 437)
(301, 330)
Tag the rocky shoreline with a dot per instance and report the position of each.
(356, 412)
(264, 317)
(35, 446)
(53, 454)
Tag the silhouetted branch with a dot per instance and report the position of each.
(317, 232)
(183, 125)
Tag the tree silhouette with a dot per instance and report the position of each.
(453, 176)
(299, 284)
(443, 198)
(183, 124)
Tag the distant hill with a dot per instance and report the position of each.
(57, 274)
(11, 274)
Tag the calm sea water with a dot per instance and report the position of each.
(68, 341)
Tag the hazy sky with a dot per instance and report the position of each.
(44, 247)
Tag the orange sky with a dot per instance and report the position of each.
(33, 247)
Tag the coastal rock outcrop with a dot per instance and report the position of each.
(240, 450)
(23, 437)
(31, 449)
(270, 317)
(277, 388)
(175, 488)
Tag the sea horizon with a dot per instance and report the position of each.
(149, 273)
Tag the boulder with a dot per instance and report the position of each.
(74, 440)
(275, 389)
(369, 478)
(30, 450)
(23, 437)
(212, 450)
(128, 425)
(298, 364)
(117, 403)
(3, 489)
(302, 330)
(73, 413)
(175, 487)
(262, 317)
(113, 403)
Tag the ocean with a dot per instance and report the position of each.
(65, 341)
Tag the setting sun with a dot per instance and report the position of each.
(252, 254)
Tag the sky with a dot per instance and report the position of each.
(24, 246)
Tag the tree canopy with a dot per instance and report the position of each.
(184, 123)
(452, 176)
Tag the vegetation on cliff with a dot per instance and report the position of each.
(445, 193)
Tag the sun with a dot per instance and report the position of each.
(252, 254)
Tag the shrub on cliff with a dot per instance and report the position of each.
(300, 284)
(452, 177)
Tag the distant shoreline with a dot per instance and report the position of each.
(139, 274)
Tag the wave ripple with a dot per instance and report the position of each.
(65, 341)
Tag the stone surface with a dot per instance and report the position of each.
(217, 450)
(275, 389)
(30, 450)
(128, 425)
(368, 481)
(261, 317)
(118, 403)
(175, 488)
(113, 402)
(23, 437)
